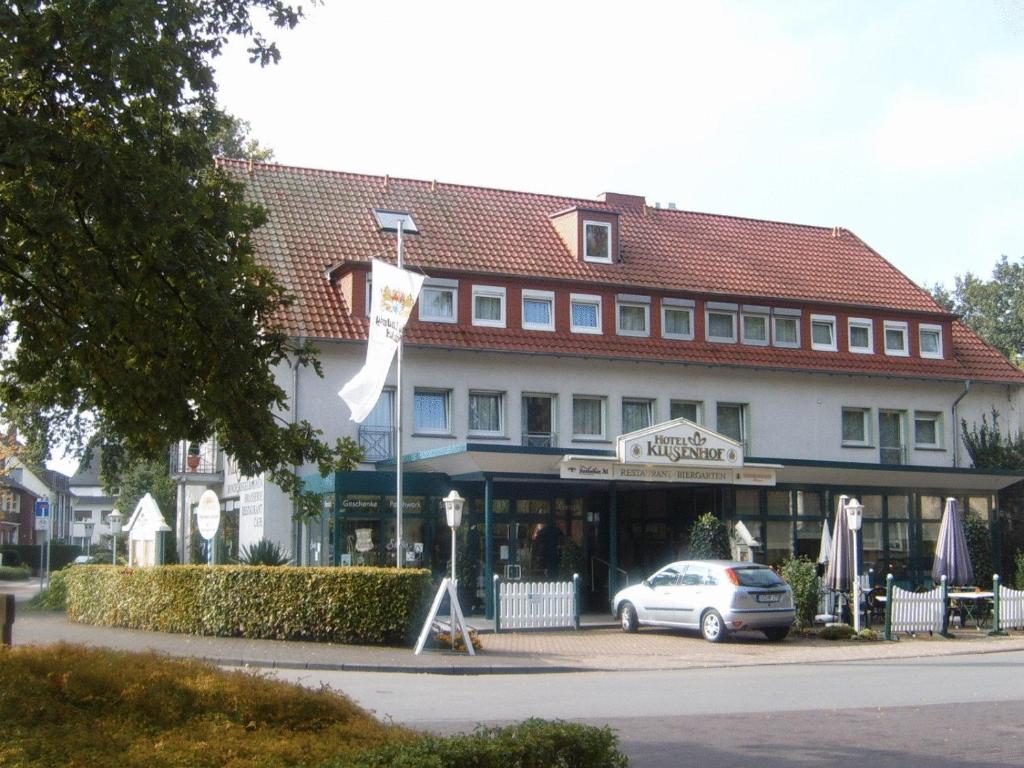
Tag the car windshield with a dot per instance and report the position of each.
(757, 577)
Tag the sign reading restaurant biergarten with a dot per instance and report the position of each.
(677, 451)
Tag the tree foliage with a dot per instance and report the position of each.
(994, 309)
(709, 538)
(989, 448)
(130, 301)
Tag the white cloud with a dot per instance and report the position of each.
(977, 124)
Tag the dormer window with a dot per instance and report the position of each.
(896, 338)
(439, 301)
(597, 241)
(930, 340)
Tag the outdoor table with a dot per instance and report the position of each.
(973, 604)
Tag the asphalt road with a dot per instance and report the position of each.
(939, 711)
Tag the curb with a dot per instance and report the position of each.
(391, 668)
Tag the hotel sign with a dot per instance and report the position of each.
(679, 443)
(576, 468)
(677, 451)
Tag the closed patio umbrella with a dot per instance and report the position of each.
(840, 554)
(952, 559)
(826, 543)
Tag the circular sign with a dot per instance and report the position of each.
(208, 515)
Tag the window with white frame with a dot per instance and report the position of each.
(686, 409)
(637, 413)
(927, 429)
(754, 325)
(486, 413)
(720, 322)
(632, 315)
(588, 417)
(930, 340)
(489, 306)
(823, 333)
(896, 338)
(860, 335)
(584, 313)
(538, 310)
(432, 411)
(856, 427)
(597, 241)
(786, 328)
(439, 301)
(731, 421)
(677, 318)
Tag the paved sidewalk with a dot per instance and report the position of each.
(606, 649)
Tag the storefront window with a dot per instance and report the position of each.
(808, 538)
(748, 506)
(808, 504)
(931, 507)
(778, 503)
(898, 507)
(871, 545)
(979, 507)
(779, 546)
(533, 507)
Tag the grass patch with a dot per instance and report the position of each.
(76, 707)
(65, 705)
(15, 573)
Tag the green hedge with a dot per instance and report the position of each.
(15, 573)
(530, 744)
(343, 605)
(28, 554)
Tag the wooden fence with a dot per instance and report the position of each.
(536, 604)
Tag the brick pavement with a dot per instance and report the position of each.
(601, 648)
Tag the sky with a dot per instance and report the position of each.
(902, 121)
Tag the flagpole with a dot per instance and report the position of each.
(398, 435)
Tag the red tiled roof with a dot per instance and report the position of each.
(319, 218)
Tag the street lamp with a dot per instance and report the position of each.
(453, 504)
(88, 526)
(114, 519)
(854, 519)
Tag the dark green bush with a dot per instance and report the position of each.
(55, 596)
(836, 632)
(263, 552)
(15, 572)
(709, 538)
(530, 744)
(979, 546)
(1018, 562)
(341, 605)
(28, 554)
(801, 575)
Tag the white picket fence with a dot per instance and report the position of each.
(917, 611)
(1011, 608)
(536, 604)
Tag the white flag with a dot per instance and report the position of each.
(394, 294)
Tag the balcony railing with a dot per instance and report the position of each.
(378, 443)
(893, 455)
(187, 462)
(539, 440)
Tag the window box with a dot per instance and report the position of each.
(896, 338)
(585, 313)
(489, 306)
(930, 341)
(860, 335)
(823, 333)
(538, 310)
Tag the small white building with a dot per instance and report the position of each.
(144, 530)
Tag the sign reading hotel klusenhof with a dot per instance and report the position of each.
(677, 451)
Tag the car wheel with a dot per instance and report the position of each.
(776, 634)
(630, 622)
(712, 628)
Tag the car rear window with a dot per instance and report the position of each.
(757, 577)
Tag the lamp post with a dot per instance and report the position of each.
(453, 504)
(88, 527)
(114, 519)
(854, 519)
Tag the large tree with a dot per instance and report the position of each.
(130, 301)
(994, 309)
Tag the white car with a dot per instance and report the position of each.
(714, 596)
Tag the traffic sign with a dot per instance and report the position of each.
(42, 508)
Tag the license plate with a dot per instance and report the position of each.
(769, 597)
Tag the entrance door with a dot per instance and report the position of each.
(890, 437)
(539, 421)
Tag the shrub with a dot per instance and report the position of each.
(801, 575)
(342, 605)
(76, 707)
(867, 634)
(979, 546)
(55, 596)
(836, 632)
(15, 572)
(709, 538)
(1018, 579)
(532, 743)
(263, 552)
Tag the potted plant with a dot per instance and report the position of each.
(192, 460)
